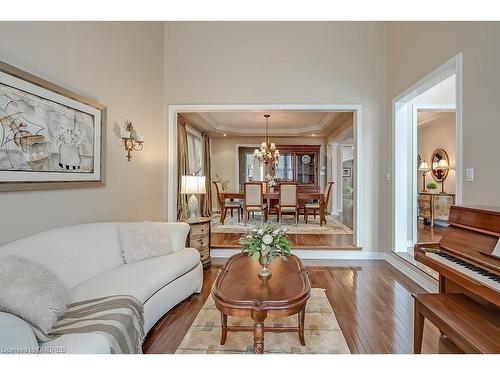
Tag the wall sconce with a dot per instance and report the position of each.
(132, 141)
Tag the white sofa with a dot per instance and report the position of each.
(87, 258)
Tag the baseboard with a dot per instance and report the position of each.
(420, 277)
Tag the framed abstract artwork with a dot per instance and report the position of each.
(50, 137)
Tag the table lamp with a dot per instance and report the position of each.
(424, 168)
(193, 185)
(441, 168)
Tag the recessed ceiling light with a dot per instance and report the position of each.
(224, 134)
(314, 135)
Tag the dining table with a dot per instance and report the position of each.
(301, 197)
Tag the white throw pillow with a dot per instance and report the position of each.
(139, 241)
(32, 292)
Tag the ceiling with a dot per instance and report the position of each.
(426, 117)
(281, 123)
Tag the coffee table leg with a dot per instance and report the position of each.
(258, 337)
(258, 331)
(223, 319)
(302, 315)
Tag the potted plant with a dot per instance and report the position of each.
(432, 186)
(264, 243)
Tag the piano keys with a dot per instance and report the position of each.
(488, 279)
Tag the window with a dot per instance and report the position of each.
(250, 169)
(195, 152)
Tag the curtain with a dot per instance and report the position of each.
(206, 209)
(182, 167)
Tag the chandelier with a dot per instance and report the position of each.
(267, 152)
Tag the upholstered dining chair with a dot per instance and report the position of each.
(226, 205)
(288, 203)
(254, 201)
(315, 206)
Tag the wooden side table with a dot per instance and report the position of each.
(199, 238)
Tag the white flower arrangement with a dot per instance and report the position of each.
(272, 180)
(269, 240)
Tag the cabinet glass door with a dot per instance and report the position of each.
(306, 168)
(284, 169)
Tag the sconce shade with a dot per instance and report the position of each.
(193, 185)
(424, 167)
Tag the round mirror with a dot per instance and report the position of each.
(440, 164)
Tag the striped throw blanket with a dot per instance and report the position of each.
(120, 319)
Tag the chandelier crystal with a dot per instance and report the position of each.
(267, 153)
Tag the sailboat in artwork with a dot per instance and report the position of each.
(33, 146)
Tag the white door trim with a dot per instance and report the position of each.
(400, 192)
(169, 189)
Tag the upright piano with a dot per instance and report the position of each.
(467, 258)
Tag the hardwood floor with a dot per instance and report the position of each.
(426, 233)
(371, 299)
(302, 241)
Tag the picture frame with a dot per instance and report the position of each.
(346, 172)
(50, 137)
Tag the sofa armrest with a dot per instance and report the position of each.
(16, 336)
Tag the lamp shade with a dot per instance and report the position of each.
(193, 185)
(424, 166)
(442, 164)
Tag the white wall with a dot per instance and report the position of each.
(289, 63)
(121, 66)
(417, 48)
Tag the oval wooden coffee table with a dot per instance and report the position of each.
(238, 291)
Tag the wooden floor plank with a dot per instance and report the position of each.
(371, 299)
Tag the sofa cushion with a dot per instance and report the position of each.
(139, 241)
(31, 292)
(141, 279)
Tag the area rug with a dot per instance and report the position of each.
(332, 226)
(322, 332)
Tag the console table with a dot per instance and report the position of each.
(435, 206)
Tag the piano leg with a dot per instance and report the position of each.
(442, 289)
(418, 329)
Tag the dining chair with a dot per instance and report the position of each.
(225, 206)
(288, 203)
(254, 201)
(315, 206)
